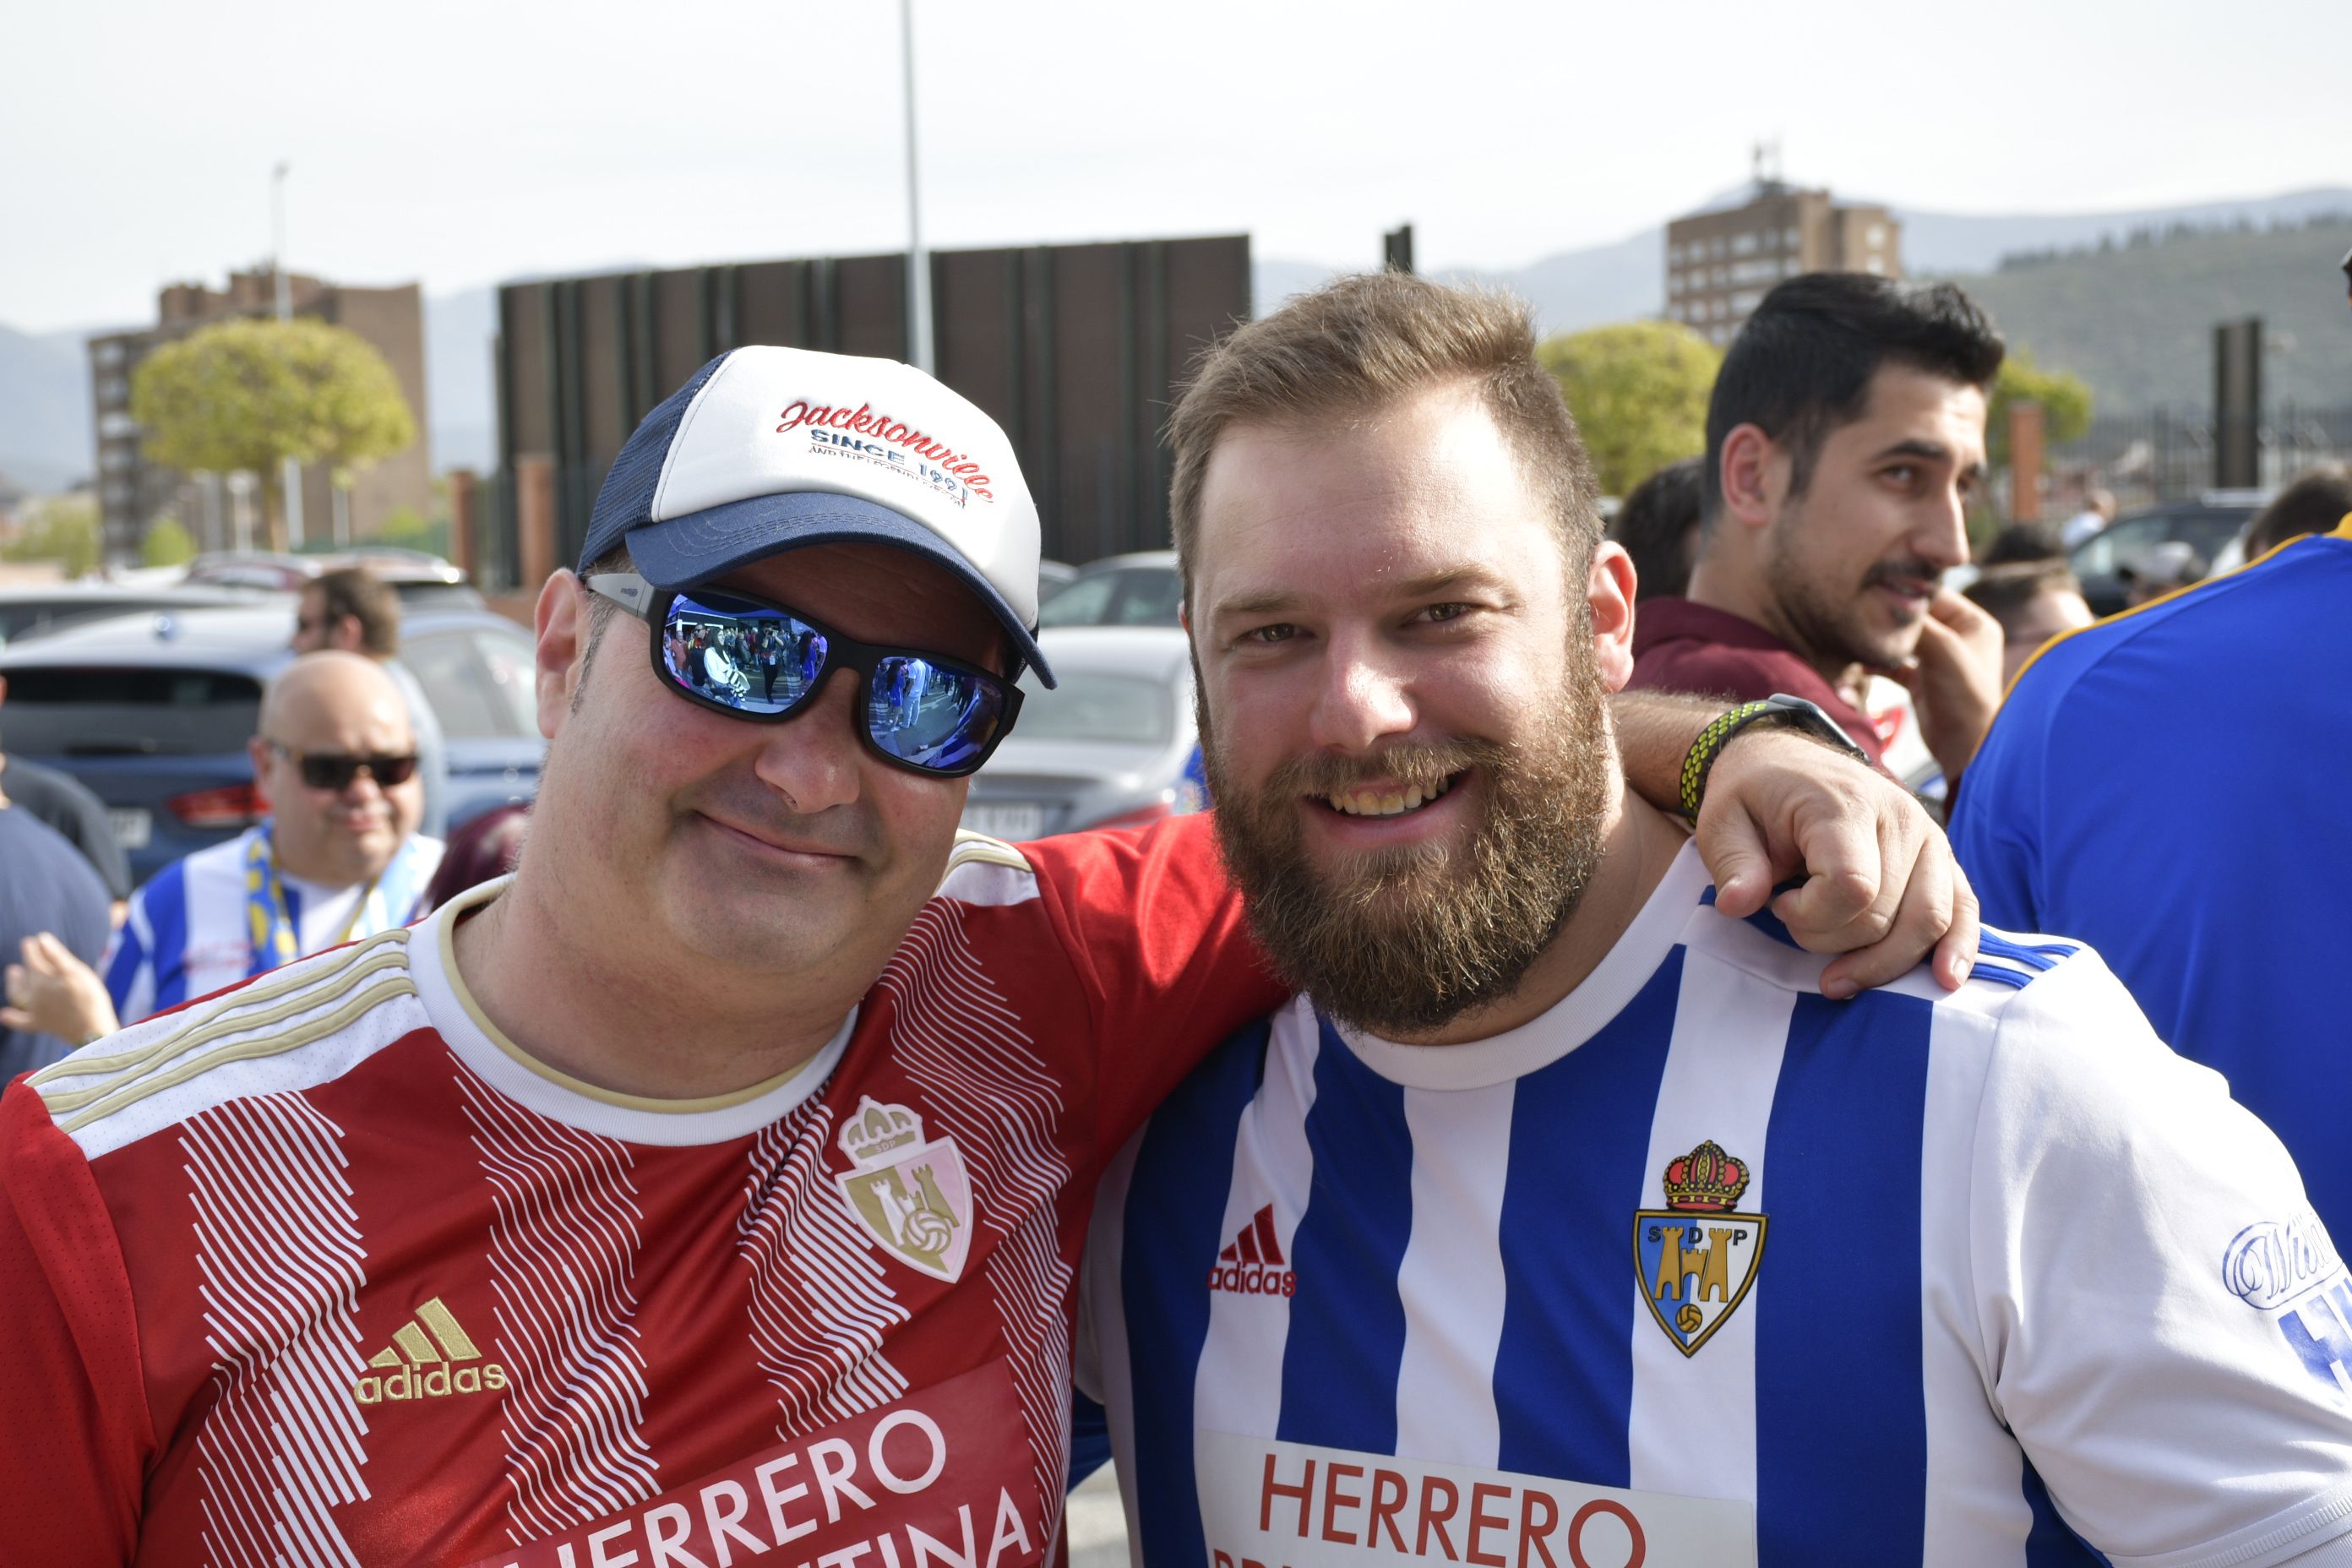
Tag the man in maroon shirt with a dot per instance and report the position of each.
(1846, 435)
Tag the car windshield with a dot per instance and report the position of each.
(98, 711)
(1118, 710)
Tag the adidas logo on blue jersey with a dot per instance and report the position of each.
(1252, 1264)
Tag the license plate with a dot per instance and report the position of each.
(133, 828)
(1006, 819)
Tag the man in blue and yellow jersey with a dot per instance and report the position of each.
(2168, 785)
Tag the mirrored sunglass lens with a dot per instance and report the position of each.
(748, 656)
(932, 715)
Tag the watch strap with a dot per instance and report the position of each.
(1779, 709)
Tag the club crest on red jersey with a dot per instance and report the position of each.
(912, 1196)
(1696, 1258)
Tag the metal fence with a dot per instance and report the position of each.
(2167, 453)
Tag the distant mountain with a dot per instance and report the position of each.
(2136, 323)
(1576, 289)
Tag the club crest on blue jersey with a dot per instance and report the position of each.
(912, 1196)
(1696, 1258)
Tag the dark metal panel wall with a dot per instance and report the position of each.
(1077, 351)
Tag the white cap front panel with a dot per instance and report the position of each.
(772, 421)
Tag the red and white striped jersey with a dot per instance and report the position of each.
(322, 1269)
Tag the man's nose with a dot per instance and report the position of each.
(812, 758)
(365, 789)
(1942, 534)
(1364, 699)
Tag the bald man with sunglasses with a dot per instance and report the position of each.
(715, 1184)
(339, 858)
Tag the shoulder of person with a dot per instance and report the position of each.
(2066, 1055)
(292, 1029)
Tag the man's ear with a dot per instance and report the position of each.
(1609, 595)
(257, 751)
(1751, 468)
(560, 626)
(348, 634)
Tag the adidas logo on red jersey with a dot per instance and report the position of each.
(429, 1357)
(1252, 1264)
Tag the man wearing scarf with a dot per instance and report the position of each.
(338, 859)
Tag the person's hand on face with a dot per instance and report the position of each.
(1955, 678)
(1881, 887)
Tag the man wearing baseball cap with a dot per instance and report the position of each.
(714, 1183)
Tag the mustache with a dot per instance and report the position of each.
(1411, 767)
(1915, 570)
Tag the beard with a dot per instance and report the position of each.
(1403, 941)
(1825, 625)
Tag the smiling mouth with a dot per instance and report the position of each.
(1386, 802)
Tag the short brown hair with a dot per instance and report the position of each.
(2317, 502)
(356, 592)
(2003, 590)
(1363, 343)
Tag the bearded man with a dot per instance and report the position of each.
(1463, 1252)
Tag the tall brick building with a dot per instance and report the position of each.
(133, 492)
(1721, 261)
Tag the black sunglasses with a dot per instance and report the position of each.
(755, 659)
(333, 771)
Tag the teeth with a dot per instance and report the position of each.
(1385, 802)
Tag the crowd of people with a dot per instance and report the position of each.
(1386, 1158)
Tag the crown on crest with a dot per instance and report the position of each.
(880, 1130)
(1707, 1179)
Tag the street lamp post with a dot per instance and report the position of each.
(291, 476)
(919, 269)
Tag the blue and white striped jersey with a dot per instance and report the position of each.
(190, 931)
(1703, 1268)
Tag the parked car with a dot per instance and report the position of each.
(1138, 590)
(1112, 746)
(151, 711)
(1053, 576)
(30, 609)
(2209, 525)
(420, 579)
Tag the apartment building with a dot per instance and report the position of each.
(1722, 261)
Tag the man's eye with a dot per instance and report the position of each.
(1445, 612)
(1902, 474)
(1281, 631)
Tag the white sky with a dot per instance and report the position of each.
(463, 143)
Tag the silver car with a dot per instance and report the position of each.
(1113, 746)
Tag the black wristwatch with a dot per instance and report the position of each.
(1795, 712)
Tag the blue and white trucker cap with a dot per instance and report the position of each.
(768, 449)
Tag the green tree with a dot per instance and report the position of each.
(166, 544)
(1638, 390)
(2065, 403)
(63, 530)
(246, 395)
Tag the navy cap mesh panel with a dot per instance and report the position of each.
(626, 497)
